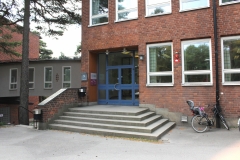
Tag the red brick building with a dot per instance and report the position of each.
(9, 105)
(179, 48)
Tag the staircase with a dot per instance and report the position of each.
(120, 121)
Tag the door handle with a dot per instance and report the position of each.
(115, 87)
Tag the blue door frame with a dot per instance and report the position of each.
(121, 84)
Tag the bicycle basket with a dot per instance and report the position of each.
(191, 104)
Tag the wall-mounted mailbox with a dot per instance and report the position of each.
(84, 76)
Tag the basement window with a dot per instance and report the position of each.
(230, 47)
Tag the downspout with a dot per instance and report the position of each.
(216, 59)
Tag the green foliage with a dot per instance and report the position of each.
(158, 10)
(44, 52)
(63, 57)
(197, 57)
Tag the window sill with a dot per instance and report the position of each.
(231, 83)
(160, 85)
(125, 20)
(155, 15)
(101, 24)
(229, 3)
(197, 84)
(193, 9)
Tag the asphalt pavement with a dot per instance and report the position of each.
(182, 143)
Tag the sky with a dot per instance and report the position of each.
(66, 44)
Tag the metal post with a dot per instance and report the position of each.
(216, 59)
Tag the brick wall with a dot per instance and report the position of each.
(175, 27)
(49, 110)
(14, 109)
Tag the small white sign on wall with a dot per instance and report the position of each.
(1, 115)
(93, 75)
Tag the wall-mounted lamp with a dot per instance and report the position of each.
(141, 57)
(176, 57)
(107, 52)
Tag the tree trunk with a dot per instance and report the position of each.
(24, 86)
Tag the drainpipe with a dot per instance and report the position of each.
(216, 60)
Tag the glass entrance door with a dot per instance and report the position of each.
(118, 84)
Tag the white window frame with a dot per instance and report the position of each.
(45, 78)
(97, 16)
(162, 3)
(63, 74)
(33, 82)
(163, 73)
(228, 70)
(10, 79)
(227, 3)
(197, 72)
(125, 10)
(189, 9)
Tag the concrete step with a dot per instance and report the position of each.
(142, 123)
(107, 132)
(110, 110)
(111, 116)
(149, 129)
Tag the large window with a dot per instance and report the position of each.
(231, 60)
(158, 7)
(98, 12)
(66, 77)
(225, 2)
(31, 78)
(197, 62)
(193, 4)
(48, 76)
(159, 64)
(13, 79)
(126, 9)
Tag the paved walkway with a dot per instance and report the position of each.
(181, 143)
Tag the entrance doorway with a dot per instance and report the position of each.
(118, 82)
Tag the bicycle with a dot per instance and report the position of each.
(200, 121)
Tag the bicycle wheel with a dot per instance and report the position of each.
(224, 121)
(199, 123)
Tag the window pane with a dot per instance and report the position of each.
(136, 94)
(48, 74)
(127, 15)
(48, 85)
(67, 74)
(159, 9)
(197, 78)
(225, 1)
(191, 4)
(230, 77)
(100, 20)
(151, 2)
(31, 74)
(160, 58)
(115, 59)
(30, 85)
(231, 49)
(113, 94)
(102, 69)
(127, 94)
(99, 7)
(196, 56)
(102, 94)
(13, 86)
(66, 85)
(127, 4)
(13, 75)
(160, 79)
